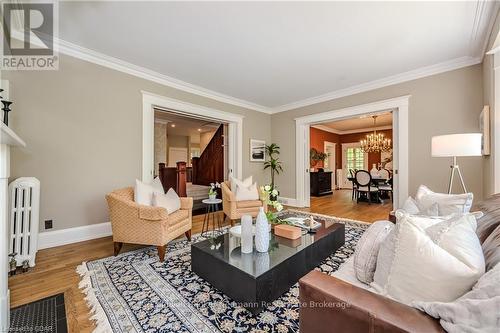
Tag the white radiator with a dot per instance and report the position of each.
(24, 203)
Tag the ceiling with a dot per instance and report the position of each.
(275, 56)
(358, 124)
(185, 126)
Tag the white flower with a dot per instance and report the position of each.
(274, 192)
(267, 188)
(279, 207)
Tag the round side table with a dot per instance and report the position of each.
(211, 216)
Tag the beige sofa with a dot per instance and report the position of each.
(147, 225)
(235, 209)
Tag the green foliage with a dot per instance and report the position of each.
(316, 155)
(273, 163)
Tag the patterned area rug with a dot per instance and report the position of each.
(134, 292)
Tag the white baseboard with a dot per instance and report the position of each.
(289, 201)
(55, 238)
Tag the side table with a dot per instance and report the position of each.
(211, 216)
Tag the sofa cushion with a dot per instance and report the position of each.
(248, 203)
(491, 219)
(346, 272)
(447, 203)
(476, 311)
(491, 249)
(439, 263)
(365, 255)
(177, 217)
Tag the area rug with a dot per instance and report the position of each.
(134, 292)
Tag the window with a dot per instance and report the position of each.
(355, 159)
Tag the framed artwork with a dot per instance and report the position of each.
(257, 150)
(484, 127)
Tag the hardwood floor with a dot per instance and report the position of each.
(55, 268)
(340, 204)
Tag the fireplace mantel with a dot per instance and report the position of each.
(8, 138)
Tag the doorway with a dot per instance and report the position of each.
(330, 162)
(353, 158)
(399, 108)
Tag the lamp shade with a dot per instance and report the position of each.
(467, 144)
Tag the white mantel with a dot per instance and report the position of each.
(8, 138)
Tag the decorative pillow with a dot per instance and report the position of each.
(143, 193)
(410, 206)
(247, 182)
(439, 265)
(365, 255)
(476, 311)
(244, 193)
(157, 185)
(447, 203)
(170, 201)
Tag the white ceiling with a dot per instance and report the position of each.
(358, 124)
(274, 56)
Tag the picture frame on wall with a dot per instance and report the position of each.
(257, 150)
(484, 127)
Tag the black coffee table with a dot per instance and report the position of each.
(256, 279)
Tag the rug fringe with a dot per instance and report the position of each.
(98, 314)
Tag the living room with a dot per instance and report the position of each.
(120, 250)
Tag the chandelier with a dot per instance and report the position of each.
(375, 142)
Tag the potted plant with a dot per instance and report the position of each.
(275, 165)
(270, 198)
(317, 156)
(212, 192)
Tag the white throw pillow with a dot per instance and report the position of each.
(157, 185)
(244, 193)
(476, 311)
(247, 182)
(346, 273)
(432, 266)
(170, 201)
(447, 203)
(143, 193)
(410, 206)
(365, 255)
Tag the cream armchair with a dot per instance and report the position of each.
(235, 209)
(147, 225)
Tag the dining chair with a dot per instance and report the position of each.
(386, 188)
(364, 185)
(351, 172)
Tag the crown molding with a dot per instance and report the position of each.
(479, 41)
(148, 74)
(388, 81)
(358, 130)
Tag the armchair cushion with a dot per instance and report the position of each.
(152, 213)
(177, 217)
(245, 183)
(244, 193)
(248, 203)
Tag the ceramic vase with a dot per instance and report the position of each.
(262, 232)
(212, 197)
(246, 234)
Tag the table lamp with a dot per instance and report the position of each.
(456, 145)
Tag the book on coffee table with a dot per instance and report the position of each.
(303, 223)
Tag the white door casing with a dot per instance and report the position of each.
(330, 149)
(151, 101)
(345, 168)
(399, 106)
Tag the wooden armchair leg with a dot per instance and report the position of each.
(117, 247)
(188, 234)
(161, 252)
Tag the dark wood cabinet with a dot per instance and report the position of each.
(321, 183)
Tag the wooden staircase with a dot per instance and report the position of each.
(209, 167)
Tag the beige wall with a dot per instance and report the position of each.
(440, 104)
(488, 99)
(83, 129)
(205, 138)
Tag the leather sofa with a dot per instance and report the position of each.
(329, 304)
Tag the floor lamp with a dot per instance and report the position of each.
(456, 145)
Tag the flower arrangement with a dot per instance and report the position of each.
(270, 197)
(212, 192)
(317, 156)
